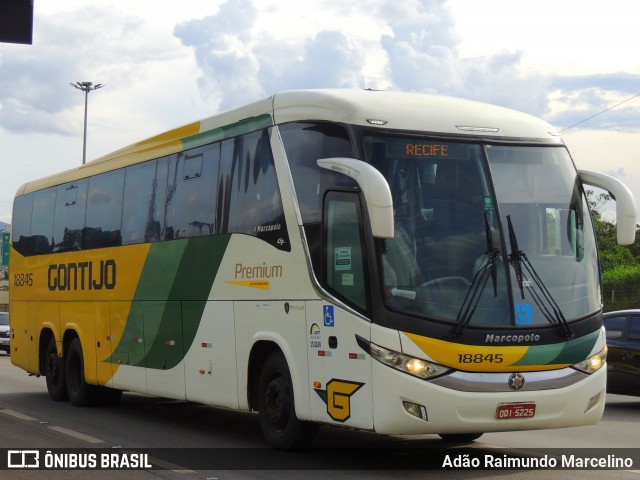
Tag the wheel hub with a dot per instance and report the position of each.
(277, 403)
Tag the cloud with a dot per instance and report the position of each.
(329, 59)
(224, 51)
(415, 40)
(240, 63)
(625, 83)
(418, 48)
(91, 43)
(423, 57)
(413, 45)
(421, 46)
(601, 101)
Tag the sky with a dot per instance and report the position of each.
(165, 64)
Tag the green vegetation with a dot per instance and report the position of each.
(620, 264)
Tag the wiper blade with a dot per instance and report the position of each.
(493, 254)
(478, 284)
(539, 292)
(516, 256)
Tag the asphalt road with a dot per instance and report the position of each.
(190, 441)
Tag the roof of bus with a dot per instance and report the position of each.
(410, 111)
(385, 109)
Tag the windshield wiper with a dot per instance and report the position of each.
(478, 284)
(541, 296)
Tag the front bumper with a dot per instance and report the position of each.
(451, 410)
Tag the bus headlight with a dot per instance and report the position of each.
(593, 363)
(407, 364)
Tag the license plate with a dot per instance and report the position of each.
(507, 411)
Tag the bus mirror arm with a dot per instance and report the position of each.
(375, 188)
(625, 204)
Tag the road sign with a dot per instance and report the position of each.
(6, 237)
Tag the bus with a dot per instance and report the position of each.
(386, 261)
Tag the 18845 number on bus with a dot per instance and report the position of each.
(23, 280)
(480, 358)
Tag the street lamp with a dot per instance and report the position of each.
(86, 87)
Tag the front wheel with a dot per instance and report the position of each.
(280, 426)
(55, 372)
(81, 394)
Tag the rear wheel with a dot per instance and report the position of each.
(81, 394)
(55, 373)
(280, 426)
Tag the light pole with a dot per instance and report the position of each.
(86, 87)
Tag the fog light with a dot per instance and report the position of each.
(593, 401)
(416, 410)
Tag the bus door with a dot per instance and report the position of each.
(339, 370)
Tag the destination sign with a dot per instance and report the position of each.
(427, 150)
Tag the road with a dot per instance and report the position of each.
(29, 419)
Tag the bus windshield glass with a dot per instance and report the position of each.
(452, 257)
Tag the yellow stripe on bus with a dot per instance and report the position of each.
(476, 358)
(91, 275)
(261, 284)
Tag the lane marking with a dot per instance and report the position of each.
(168, 465)
(78, 435)
(19, 415)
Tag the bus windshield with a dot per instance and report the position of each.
(485, 234)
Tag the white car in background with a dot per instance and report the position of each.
(5, 332)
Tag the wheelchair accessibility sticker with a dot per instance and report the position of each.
(524, 314)
(329, 319)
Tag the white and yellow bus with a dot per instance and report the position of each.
(399, 263)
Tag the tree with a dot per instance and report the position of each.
(612, 255)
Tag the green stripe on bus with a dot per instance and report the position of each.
(570, 352)
(169, 302)
(228, 131)
(159, 271)
(579, 349)
(541, 354)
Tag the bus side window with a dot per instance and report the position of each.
(44, 203)
(344, 271)
(21, 234)
(71, 205)
(249, 198)
(104, 210)
(143, 206)
(191, 196)
(304, 144)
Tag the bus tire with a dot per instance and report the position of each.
(276, 407)
(55, 373)
(81, 394)
(460, 437)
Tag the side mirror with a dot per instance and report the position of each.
(625, 203)
(376, 191)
